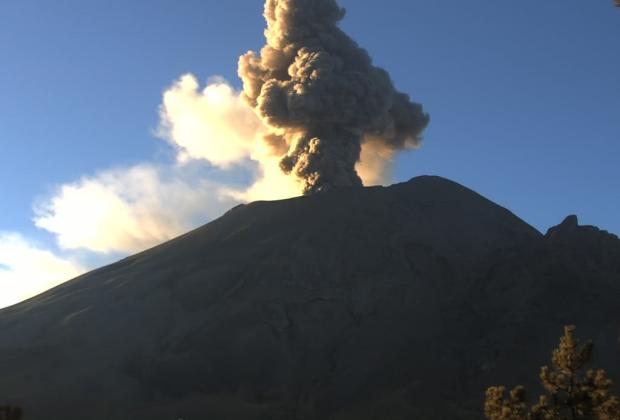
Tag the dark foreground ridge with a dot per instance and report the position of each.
(391, 303)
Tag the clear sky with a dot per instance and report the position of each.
(524, 98)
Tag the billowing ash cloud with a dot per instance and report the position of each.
(321, 97)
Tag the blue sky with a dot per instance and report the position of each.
(524, 96)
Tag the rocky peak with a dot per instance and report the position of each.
(570, 230)
(569, 225)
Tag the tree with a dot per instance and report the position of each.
(571, 394)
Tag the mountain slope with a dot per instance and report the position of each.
(393, 303)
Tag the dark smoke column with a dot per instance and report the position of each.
(321, 96)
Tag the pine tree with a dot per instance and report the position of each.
(496, 407)
(571, 394)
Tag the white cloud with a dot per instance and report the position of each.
(129, 209)
(214, 124)
(27, 270)
(376, 163)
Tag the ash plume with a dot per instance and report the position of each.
(321, 97)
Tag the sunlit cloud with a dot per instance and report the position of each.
(211, 124)
(129, 209)
(27, 270)
(376, 163)
(215, 125)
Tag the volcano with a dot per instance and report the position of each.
(394, 303)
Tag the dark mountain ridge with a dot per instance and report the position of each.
(403, 302)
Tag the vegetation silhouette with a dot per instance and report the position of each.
(10, 413)
(571, 394)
